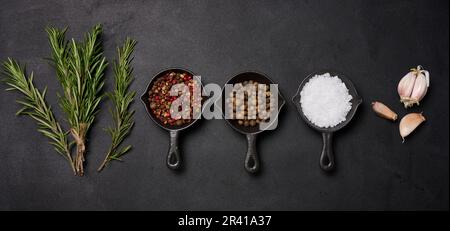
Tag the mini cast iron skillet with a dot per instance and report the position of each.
(173, 155)
(327, 162)
(251, 164)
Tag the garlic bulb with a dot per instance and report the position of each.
(409, 123)
(413, 86)
(383, 111)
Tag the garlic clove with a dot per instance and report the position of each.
(383, 111)
(406, 86)
(409, 123)
(420, 88)
(427, 77)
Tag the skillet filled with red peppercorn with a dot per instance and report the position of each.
(158, 101)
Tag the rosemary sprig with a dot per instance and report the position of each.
(121, 99)
(80, 68)
(35, 106)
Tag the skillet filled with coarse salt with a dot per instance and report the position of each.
(327, 101)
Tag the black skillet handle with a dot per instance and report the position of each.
(327, 156)
(251, 159)
(173, 157)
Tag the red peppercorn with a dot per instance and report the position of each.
(160, 100)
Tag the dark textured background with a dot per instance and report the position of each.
(373, 42)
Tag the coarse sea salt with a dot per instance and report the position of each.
(325, 100)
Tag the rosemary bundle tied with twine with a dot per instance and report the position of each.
(80, 68)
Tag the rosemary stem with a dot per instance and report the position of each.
(105, 161)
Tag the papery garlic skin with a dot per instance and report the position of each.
(413, 86)
(409, 123)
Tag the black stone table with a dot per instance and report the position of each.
(373, 42)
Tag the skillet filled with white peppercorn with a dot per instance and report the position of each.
(158, 101)
(250, 107)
